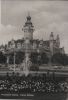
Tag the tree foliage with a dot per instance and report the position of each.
(2, 58)
(19, 56)
(39, 58)
(36, 58)
(44, 58)
(59, 58)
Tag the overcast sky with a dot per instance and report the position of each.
(47, 17)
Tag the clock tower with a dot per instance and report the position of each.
(28, 29)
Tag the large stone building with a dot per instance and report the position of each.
(33, 45)
(29, 45)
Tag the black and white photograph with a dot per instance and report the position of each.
(34, 49)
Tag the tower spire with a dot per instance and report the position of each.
(51, 36)
(58, 41)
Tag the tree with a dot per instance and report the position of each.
(19, 57)
(34, 58)
(2, 58)
(44, 58)
(59, 58)
(39, 58)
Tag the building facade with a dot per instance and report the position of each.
(28, 44)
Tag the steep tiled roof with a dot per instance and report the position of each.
(19, 41)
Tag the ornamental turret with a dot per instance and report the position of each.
(58, 41)
(51, 36)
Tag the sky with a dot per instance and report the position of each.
(47, 16)
(0, 11)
